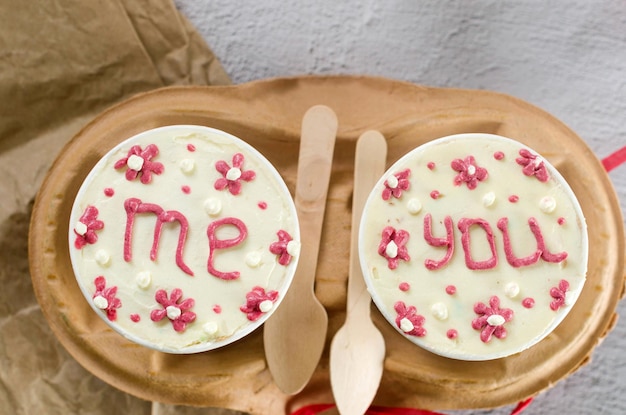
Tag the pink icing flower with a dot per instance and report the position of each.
(139, 163)
(174, 309)
(396, 184)
(533, 165)
(469, 172)
(232, 176)
(393, 246)
(559, 294)
(491, 319)
(86, 228)
(281, 247)
(104, 298)
(408, 320)
(258, 302)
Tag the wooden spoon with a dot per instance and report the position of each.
(358, 349)
(295, 335)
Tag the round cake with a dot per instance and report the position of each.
(183, 238)
(473, 246)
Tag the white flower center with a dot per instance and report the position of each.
(233, 173)
(391, 250)
(392, 182)
(293, 248)
(80, 228)
(135, 162)
(406, 325)
(495, 320)
(100, 302)
(266, 306)
(471, 170)
(173, 312)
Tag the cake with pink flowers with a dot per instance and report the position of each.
(473, 247)
(183, 238)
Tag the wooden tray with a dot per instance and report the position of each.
(267, 114)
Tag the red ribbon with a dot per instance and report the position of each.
(610, 162)
(615, 159)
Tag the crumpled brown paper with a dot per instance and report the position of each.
(61, 63)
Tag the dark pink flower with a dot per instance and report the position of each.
(533, 165)
(232, 176)
(559, 294)
(491, 319)
(392, 246)
(258, 302)
(396, 184)
(408, 320)
(104, 298)
(281, 247)
(469, 172)
(85, 229)
(139, 163)
(174, 309)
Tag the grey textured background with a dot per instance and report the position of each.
(567, 57)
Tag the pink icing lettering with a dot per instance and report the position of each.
(464, 226)
(215, 243)
(541, 244)
(448, 241)
(508, 249)
(133, 206)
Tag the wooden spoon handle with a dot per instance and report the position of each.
(369, 165)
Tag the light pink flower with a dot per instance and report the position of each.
(533, 165)
(392, 246)
(409, 313)
(559, 293)
(491, 319)
(92, 224)
(396, 184)
(280, 247)
(112, 302)
(174, 309)
(232, 176)
(469, 172)
(254, 299)
(145, 166)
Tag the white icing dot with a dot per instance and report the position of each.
(233, 173)
(135, 162)
(80, 228)
(253, 259)
(143, 279)
(293, 248)
(495, 320)
(266, 306)
(212, 206)
(173, 312)
(210, 327)
(102, 257)
(406, 325)
(511, 290)
(414, 206)
(569, 298)
(471, 170)
(547, 204)
(187, 165)
(100, 302)
(489, 199)
(440, 311)
(392, 182)
(391, 250)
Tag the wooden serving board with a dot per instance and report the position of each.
(267, 114)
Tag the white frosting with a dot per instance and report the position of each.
(190, 185)
(102, 257)
(504, 192)
(213, 206)
(414, 206)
